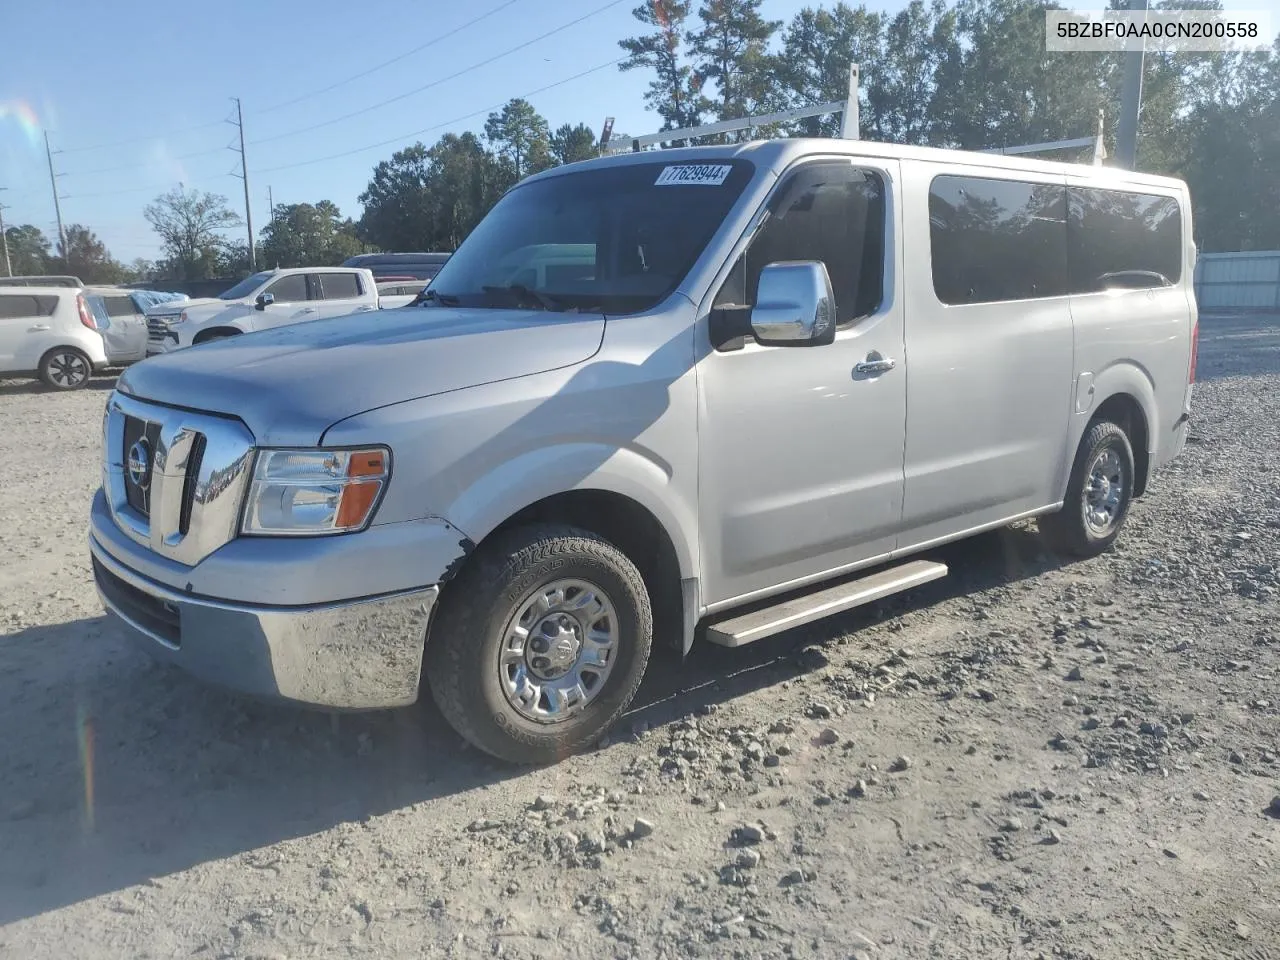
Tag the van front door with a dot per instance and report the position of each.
(800, 451)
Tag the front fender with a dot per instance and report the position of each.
(538, 474)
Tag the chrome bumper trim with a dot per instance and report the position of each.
(355, 655)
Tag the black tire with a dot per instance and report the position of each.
(65, 368)
(1070, 531)
(462, 660)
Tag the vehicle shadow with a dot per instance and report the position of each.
(118, 769)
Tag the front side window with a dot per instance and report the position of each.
(617, 239)
(830, 211)
(1123, 240)
(290, 289)
(997, 240)
(339, 286)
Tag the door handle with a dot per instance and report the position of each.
(309, 310)
(38, 328)
(877, 365)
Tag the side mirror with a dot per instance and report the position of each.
(265, 300)
(794, 305)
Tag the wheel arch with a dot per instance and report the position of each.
(635, 529)
(1125, 393)
(215, 332)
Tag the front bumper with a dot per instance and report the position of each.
(351, 655)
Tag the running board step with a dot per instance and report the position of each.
(798, 611)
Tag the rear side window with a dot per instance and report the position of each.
(833, 212)
(340, 286)
(21, 306)
(119, 306)
(994, 240)
(1119, 239)
(290, 289)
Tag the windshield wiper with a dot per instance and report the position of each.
(525, 294)
(435, 296)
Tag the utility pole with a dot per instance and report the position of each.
(1130, 101)
(244, 175)
(4, 238)
(57, 206)
(271, 204)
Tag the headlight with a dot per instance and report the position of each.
(315, 492)
(181, 318)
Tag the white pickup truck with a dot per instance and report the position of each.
(272, 298)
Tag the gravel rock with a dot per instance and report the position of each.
(747, 859)
(900, 765)
(828, 737)
(642, 828)
(544, 801)
(1075, 674)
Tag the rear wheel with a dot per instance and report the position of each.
(65, 368)
(1098, 494)
(540, 643)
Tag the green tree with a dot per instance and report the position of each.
(675, 93)
(87, 257)
(817, 48)
(519, 134)
(29, 250)
(732, 49)
(189, 224)
(304, 234)
(569, 144)
(430, 199)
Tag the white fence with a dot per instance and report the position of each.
(1239, 281)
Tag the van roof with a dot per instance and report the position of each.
(779, 153)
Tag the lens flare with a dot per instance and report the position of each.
(22, 113)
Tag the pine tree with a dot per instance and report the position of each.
(732, 49)
(675, 94)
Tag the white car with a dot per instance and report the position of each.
(49, 332)
(399, 292)
(272, 298)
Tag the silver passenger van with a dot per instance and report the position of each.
(707, 393)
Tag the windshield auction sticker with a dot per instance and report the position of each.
(700, 174)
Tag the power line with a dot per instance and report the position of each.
(438, 126)
(125, 143)
(435, 83)
(386, 63)
(134, 166)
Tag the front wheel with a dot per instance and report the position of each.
(540, 643)
(1098, 494)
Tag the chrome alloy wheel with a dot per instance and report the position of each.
(558, 649)
(68, 369)
(1103, 493)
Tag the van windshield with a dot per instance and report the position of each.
(613, 240)
(245, 286)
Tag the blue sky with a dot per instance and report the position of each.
(135, 95)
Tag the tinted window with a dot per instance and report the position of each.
(289, 289)
(340, 286)
(630, 231)
(997, 240)
(1121, 239)
(14, 306)
(119, 306)
(832, 212)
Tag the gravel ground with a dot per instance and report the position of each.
(1025, 759)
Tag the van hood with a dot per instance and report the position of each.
(290, 384)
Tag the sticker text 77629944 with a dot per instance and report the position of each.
(699, 174)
